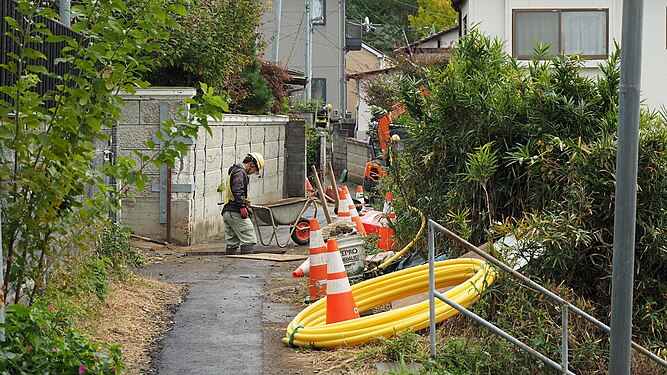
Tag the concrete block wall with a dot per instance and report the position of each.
(295, 159)
(341, 131)
(358, 154)
(196, 214)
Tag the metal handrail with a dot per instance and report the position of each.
(566, 307)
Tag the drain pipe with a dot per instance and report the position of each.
(65, 14)
(168, 239)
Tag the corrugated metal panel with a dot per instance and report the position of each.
(51, 50)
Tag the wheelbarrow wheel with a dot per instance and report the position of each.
(301, 235)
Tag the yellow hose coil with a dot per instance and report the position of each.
(468, 277)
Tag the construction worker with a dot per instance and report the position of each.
(322, 116)
(239, 231)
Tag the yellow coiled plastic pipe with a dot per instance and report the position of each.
(468, 277)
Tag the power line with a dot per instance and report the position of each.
(291, 52)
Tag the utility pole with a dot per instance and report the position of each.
(65, 12)
(343, 78)
(276, 29)
(309, 50)
(625, 212)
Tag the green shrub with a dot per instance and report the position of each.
(37, 342)
(95, 277)
(498, 148)
(210, 45)
(250, 92)
(277, 77)
(113, 243)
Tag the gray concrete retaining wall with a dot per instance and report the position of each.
(358, 154)
(195, 212)
(341, 131)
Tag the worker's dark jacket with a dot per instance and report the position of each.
(238, 185)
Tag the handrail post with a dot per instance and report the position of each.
(431, 287)
(564, 347)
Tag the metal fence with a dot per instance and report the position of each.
(51, 50)
(566, 307)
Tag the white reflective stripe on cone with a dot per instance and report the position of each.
(342, 205)
(353, 213)
(316, 240)
(318, 259)
(350, 202)
(335, 262)
(338, 286)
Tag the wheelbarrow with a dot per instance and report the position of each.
(284, 212)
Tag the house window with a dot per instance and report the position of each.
(318, 12)
(581, 31)
(318, 89)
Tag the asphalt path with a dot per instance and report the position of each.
(218, 327)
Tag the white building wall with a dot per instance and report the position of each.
(327, 46)
(654, 79)
(494, 18)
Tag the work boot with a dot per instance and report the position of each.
(247, 249)
(232, 250)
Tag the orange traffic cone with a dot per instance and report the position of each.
(318, 262)
(330, 193)
(303, 269)
(354, 215)
(340, 300)
(343, 209)
(360, 195)
(308, 185)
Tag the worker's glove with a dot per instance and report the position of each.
(244, 213)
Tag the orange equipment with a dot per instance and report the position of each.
(375, 168)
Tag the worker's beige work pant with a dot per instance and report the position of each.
(238, 231)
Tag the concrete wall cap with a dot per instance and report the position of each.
(160, 93)
(357, 141)
(237, 119)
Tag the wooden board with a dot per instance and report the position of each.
(271, 257)
(415, 298)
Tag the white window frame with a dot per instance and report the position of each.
(559, 47)
(319, 12)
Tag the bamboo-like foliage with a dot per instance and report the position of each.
(530, 148)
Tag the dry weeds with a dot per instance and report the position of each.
(136, 313)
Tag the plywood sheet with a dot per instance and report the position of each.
(271, 257)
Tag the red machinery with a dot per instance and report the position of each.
(375, 168)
